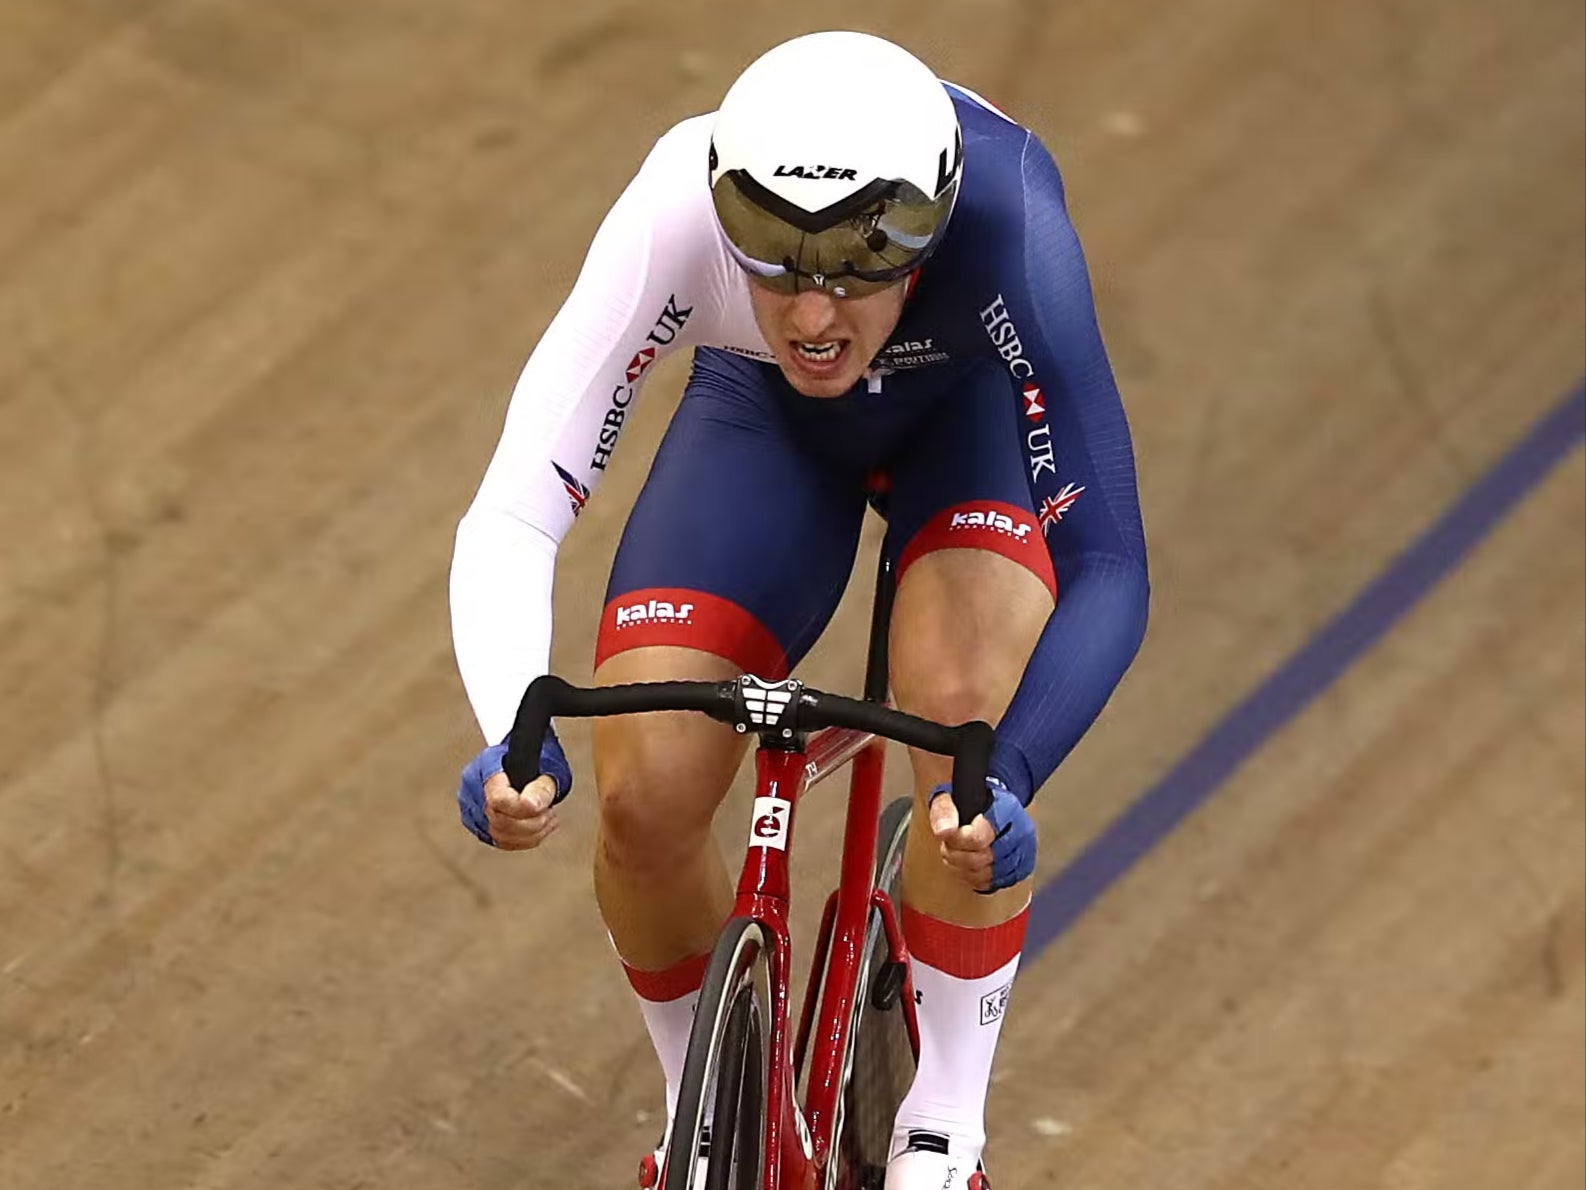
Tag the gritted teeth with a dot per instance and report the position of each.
(820, 351)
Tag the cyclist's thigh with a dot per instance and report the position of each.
(976, 583)
(733, 559)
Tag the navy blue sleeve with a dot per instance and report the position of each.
(1080, 463)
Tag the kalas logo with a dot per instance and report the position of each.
(989, 519)
(1005, 338)
(830, 173)
(666, 329)
(909, 353)
(653, 611)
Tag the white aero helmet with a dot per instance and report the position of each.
(834, 162)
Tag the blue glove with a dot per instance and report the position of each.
(471, 789)
(1013, 848)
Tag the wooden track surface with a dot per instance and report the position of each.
(267, 272)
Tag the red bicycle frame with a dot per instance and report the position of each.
(800, 1142)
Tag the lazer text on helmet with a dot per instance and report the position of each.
(666, 328)
(831, 173)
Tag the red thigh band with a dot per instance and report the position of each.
(687, 619)
(1004, 529)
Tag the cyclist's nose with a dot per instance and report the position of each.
(812, 315)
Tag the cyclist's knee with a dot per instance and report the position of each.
(964, 627)
(954, 694)
(942, 676)
(660, 777)
(659, 784)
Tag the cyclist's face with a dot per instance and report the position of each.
(824, 343)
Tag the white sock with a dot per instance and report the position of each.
(667, 999)
(962, 977)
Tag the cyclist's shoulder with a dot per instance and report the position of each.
(1007, 167)
(984, 120)
(674, 169)
(1010, 185)
(1006, 162)
(668, 207)
(689, 137)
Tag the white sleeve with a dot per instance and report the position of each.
(648, 267)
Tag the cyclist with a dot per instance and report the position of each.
(879, 277)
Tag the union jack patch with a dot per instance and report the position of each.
(1053, 507)
(577, 492)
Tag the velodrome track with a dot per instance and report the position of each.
(267, 273)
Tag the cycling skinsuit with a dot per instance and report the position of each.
(992, 413)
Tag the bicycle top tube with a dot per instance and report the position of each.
(780, 713)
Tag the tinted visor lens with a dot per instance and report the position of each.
(858, 246)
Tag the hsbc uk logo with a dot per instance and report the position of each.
(990, 518)
(655, 611)
(667, 327)
(1039, 452)
(1005, 339)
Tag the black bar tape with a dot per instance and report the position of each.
(971, 763)
(820, 710)
(969, 744)
(550, 697)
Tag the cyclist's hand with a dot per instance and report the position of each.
(996, 850)
(497, 814)
(519, 821)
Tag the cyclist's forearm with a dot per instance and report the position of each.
(1086, 647)
(502, 571)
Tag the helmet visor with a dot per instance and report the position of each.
(857, 246)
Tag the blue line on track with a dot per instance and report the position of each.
(1059, 902)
